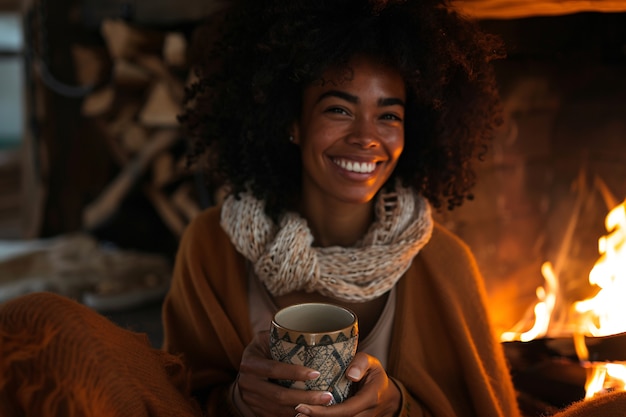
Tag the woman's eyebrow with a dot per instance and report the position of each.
(340, 94)
(391, 101)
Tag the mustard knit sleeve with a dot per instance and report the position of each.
(410, 407)
(205, 313)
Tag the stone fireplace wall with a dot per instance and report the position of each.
(557, 163)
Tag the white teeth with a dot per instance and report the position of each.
(363, 167)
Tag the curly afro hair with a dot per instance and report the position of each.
(264, 52)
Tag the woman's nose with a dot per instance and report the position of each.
(364, 134)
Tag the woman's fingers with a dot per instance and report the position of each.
(256, 360)
(266, 398)
(269, 399)
(359, 366)
(376, 394)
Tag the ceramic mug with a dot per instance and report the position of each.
(320, 336)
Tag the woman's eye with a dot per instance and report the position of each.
(336, 110)
(394, 117)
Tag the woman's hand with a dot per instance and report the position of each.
(265, 398)
(376, 394)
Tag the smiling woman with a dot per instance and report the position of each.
(335, 126)
(334, 132)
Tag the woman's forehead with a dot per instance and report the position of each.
(339, 74)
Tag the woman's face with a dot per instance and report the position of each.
(351, 131)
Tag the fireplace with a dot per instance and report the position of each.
(557, 167)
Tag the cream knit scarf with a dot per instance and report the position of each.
(285, 261)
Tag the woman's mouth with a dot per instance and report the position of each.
(355, 166)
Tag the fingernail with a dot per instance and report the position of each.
(328, 398)
(302, 409)
(313, 375)
(354, 374)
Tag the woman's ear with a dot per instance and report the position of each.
(294, 133)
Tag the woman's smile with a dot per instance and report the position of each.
(355, 166)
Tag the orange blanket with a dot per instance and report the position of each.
(60, 358)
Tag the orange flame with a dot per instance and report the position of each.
(542, 311)
(605, 377)
(600, 315)
(603, 314)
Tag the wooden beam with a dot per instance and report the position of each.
(515, 9)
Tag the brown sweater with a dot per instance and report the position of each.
(442, 350)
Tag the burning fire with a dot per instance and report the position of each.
(603, 314)
(600, 315)
(543, 309)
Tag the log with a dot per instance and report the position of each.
(119, 154)
(130, 76)
(185, 203)
(99, 102)
(546, 371)
(164, 207)
(175, 50)
(161, 109)
(133, 138)
(124, 41)
(600, 349)
(110, 199)
(160, 71)
(154, 64)
(123, 119)
(91, 64)
(162, 169)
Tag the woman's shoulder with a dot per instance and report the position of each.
(444, 238)
(446, 248)
(451, 266)
(205, 229)
(209, 217)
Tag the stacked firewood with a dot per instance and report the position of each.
(141, 76)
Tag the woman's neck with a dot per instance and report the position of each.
(337, 224)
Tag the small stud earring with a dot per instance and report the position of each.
(291, 139)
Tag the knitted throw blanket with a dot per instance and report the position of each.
(59, 358)
(285, 260)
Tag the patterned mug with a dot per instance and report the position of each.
(320, 336)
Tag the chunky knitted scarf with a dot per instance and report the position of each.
(285, 260)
